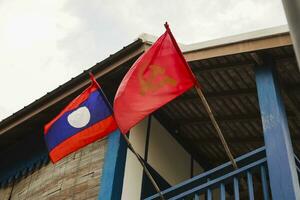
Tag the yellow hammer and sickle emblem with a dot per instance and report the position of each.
(156, 79)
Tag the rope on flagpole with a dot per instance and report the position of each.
(215, 124)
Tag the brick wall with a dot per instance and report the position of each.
(75, 177)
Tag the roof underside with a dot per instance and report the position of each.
(229, 85)
(228, 82)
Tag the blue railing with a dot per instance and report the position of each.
(297, 161)
(249, 181)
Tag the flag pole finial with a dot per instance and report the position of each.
(167, 26)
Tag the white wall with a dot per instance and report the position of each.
(197, 169)
(165, 155)
(133, 171)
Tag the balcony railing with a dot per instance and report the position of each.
(297, 161)
(249, 181)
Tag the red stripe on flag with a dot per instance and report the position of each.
(83, 138)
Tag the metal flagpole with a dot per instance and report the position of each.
(292, 12)
(129, 145)
(215, 124)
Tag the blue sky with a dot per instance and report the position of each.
(43, 44)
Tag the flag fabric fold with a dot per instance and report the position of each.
(157, 77)
(84, 120)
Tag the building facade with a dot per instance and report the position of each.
(251, 82)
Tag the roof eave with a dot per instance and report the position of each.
(73, 85)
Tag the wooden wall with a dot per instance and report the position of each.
(75, 177)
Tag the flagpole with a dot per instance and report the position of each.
(205, 103)
(141, 160)
(215, 124)
(220, 134)
(129, 145)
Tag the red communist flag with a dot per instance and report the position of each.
(158, 76)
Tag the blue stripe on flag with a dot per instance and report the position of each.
(61, 130)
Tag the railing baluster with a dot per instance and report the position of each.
(264, 182)
(203, 186)
(250, 185)
(222, 191)
(236, 188)
(208, 194)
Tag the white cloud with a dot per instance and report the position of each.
(4, 112)
(31, 63)
(45, 43)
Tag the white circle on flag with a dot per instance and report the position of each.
(79, 117)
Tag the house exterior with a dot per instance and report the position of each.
(252, 84)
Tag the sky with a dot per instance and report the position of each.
(43, 44)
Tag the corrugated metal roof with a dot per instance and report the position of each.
(229, 85)
(268, 32)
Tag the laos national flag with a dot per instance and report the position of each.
(86, 119)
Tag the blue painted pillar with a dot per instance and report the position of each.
(113, 168)
(280, 155)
